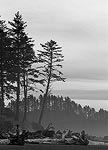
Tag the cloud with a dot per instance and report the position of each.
(83, 94)
(91, 68)
(81, 84)
(79, 26)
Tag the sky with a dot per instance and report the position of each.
(80, 27)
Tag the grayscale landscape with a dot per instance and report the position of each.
(54, 74)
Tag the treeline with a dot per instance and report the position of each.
(21, 70)
(59, 105)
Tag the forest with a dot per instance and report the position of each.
(64, 113)
(25, 70)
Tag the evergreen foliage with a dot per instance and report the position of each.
(50, 58)
(5, 43)
(23, 56)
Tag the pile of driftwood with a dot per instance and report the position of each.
(66, 137)
(48, 136)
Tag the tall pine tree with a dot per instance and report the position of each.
(23, 57)
(17, 32)
(28, 58)
(50, 58)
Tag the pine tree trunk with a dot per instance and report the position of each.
(18, 81)
(46, 93)
(2, 84)
(2, 94)
(44, 103)
(25, 97)
(18, 97)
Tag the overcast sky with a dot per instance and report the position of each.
(79, 26)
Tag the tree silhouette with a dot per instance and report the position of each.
(4, 60)
(28, 58)
(50, 58)
(22, 56)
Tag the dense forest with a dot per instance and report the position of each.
(59, 104)
(65, 113)
(23, 72)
